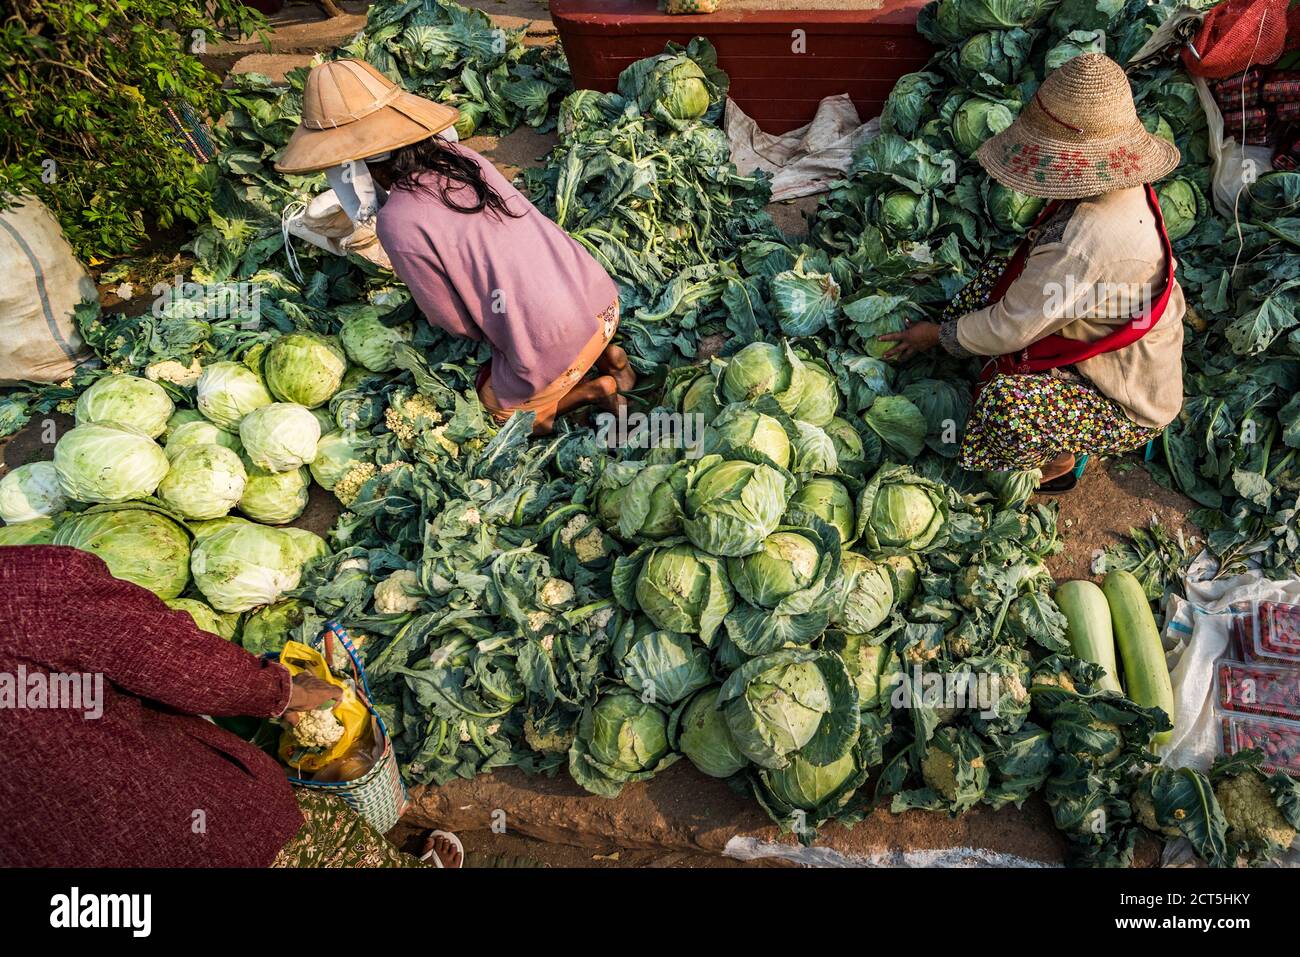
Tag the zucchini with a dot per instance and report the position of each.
(1146, 675)
(1088, 627)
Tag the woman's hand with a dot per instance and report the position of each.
(307, 694)
(916, 338)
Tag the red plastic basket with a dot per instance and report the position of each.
(782, 63)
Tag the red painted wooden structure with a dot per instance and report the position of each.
(778, 76)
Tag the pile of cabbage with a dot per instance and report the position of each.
(189, 489)
(747, 597)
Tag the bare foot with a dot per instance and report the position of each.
(446, 851)
(599, 391)
(1055, 468)
(613, 361)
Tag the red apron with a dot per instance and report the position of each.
(1054, 350)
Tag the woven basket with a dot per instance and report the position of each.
(378, 795)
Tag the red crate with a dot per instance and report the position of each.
(858, 52)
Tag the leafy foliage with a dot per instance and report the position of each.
(84, 90)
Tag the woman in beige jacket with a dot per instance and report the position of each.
(1083, 327)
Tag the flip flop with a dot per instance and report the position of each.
(451, 839)
(1059, 485)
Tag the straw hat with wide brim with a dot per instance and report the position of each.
(350, 111)
(1079, 136)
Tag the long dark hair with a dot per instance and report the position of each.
(454, 173)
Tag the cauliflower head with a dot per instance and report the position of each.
(1251, 812)
(1144, 810)
(939, 771)
(556, 592)
(169, 370)
(392, 595)
(348, 487)
(318, 729)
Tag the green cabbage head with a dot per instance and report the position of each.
(813, 451)
(671, 87)
(369, 342)
(138, 543)
(705, 739)
(742, 427)
(39, 531)
(699, 398)
(126, 401)
(904, 215)
(977, 120)
(205, 618)
(200, 432)
(307, 545)
(1182, 204)
(179, 418)
(847, 440)
(808, 786)
(304, 368)
(101, 463)
(663, 667)
(787, 563)
(205, 481)
(30, 492)
(275, 498)
(685, 590)
(228, 391)
(267, 629)
(244, 565)
(829, 500)
(899, 511)
(764, 368)
(1011, 210)
(280, 437)
(627, 734)
(731, 507)
(774, 705)
(867, 594)
(821, 396)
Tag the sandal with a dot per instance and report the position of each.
(451, 839)
(1059, 485)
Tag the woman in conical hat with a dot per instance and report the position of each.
(479, 259)
(1082, 330)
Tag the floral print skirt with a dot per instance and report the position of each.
(1024, 421)
(334, 835)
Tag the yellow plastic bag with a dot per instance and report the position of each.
(350, 710)
(690, 6)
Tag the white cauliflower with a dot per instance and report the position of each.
(174, 372)
(361, 564)
(590, 545)
(393, 594)
(318, 729)
(556, 592)
(601, 618)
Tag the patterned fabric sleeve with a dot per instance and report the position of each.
(948, 339)
(139, 644)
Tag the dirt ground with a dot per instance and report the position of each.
(680, 818)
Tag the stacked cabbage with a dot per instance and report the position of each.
(162, 516)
